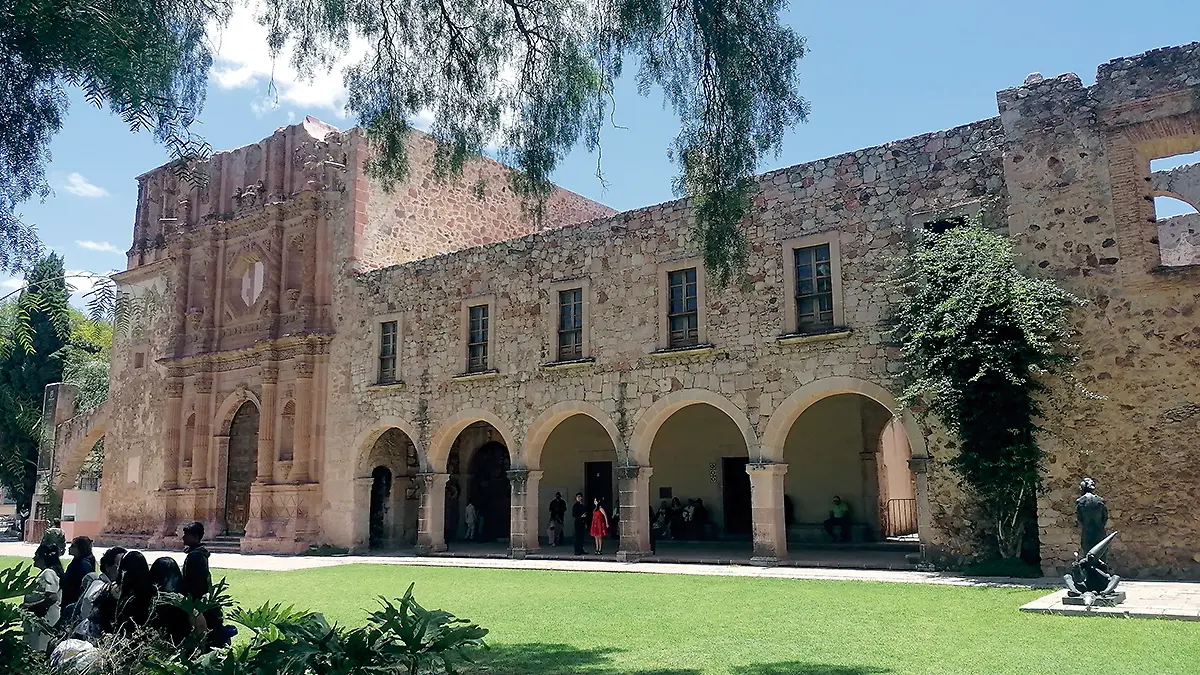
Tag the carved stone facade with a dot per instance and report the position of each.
(404, 350)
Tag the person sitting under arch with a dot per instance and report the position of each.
(839, 516)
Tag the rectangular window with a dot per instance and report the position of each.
(570, 324)
(477, 339)
(814, 289)
(683, 320)
(387, 351)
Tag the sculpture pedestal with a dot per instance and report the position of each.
(1106, 601)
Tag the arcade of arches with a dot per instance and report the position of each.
(758, 493)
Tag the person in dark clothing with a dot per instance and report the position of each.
(700, 519)
(579, 513)
(558, 514)
(197, 581)
(653, 537)
(128, 603)
(171, 620)
(82, 564)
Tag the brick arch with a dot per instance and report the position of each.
(793, 406)
(547, 422)
(656, 415)
(443, 439)
(365, 443)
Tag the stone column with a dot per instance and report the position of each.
(766, 507)
(518, 526)
(870, 483)
(533, 482)
(174, 418)
(266, 425)
(302, 440)
(202, 443)
(431, 524)
(634, 488)
(920, 468)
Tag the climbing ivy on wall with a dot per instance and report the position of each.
(977, 334)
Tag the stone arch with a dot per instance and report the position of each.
(443, 439)
(77, 452)
(365, 443)
(653, 418)
(230, 406)
(548, 421)
(786, 414)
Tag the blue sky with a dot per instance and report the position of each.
(876, 71)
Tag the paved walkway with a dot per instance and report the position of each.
(286, 563)
(1143, 600)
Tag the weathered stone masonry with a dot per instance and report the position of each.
(280, 275)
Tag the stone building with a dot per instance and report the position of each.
(316, 360)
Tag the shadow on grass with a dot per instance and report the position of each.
(804, 668)
(560, 659)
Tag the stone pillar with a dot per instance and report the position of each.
(920, 468)
(431, 524)
(266, 425)
(202, 443)
(518, 525)
(870, 483)
(634, 488)
(174, 419)
(533, 482)
(302, 440)
(766, 507)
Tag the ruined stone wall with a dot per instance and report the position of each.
(428, 215)
(1081, 212)
(864, 200)
(134, 452)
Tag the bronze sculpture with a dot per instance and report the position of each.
(1092, 515)
(1089, 580)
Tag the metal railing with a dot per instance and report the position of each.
(900, 518)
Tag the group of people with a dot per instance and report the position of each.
(674, 520)
(595, 522)
(119, 594)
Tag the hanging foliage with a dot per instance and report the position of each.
(976, 333)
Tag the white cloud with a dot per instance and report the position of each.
(102, 246)
(83, 281)
(12, 284)
(80, 187)
(242, 60)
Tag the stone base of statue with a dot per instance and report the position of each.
(1095, 600)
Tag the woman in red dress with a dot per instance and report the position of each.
(599, 526)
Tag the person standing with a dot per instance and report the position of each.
(579, 513)
(472, 521)
(197, 581)
(558, 516)
(54, 536)
(599, 525)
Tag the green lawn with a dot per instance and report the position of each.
(545, 623)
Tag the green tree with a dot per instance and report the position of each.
(146, 61)
(976, 333)
(86, 359)
(42, 328)
(532, 76)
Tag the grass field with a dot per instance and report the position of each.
(545, 623)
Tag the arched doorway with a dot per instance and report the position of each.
(833, 450)
(578, 457)
(489, 490)
(699, 457)
(243, 454)
(381, 497)
(395, 502)
(478, 465)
